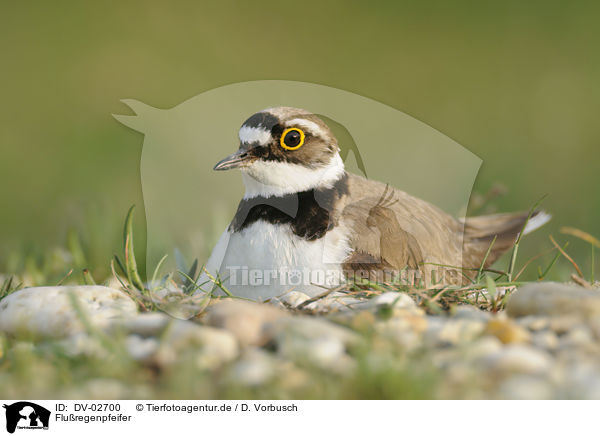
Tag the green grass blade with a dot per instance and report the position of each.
(116, 276)
(87, 277)
(61, 281)
(191, 278)
(515, 250)
(157, 269)
(485, 259)
(7, 284)
(130, 262)
(541, 275)
(491, 289)
(119, 263)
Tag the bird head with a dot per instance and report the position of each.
(285, 150)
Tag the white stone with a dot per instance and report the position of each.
(470, 312)
(582, 380)
(215, 346)
(325, 352)
(293, 298)
(83, 344)
(551, 299)
(534, 323)
(524, 359)
(483, 347)
(577, 337)
(526, 387)
(174, 301)
(563, 324)
(311, 328)
(48, 311)
(397, 300)
(404, 331)
(255, 368)
(314, 341)
(452, 331)
(545, 339)
(247, 320)
(140, 348)
(334, 302)
(145, 324)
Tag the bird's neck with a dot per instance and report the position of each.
(308, 213)
(276, 179)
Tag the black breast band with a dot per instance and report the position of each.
(309, 213)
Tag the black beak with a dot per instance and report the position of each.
(235, 160)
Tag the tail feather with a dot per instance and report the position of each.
(481, 230)
(537, 221)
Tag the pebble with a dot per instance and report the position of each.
(310, 328)
(441, 331)
(545, 339)
(482, 348)
(507, 331)
(397, 303)
(314, 341)
(397, 300)
(215, 346)
(526, 387)
(144, 324)
(175, 302)
(533, 323)
(400, 332)
(334, 303)
(293, 298)
(255, 368)
(82, 344)
(594, 325)
(547, 347)
(469, 312)
(563, 324)
(554, 299)
(362, 321)
(246, 320)
(405, 331)
(577, 337)
(325, 352)
(582, 382)
(517, 358)
(48, 311)
(140, 348)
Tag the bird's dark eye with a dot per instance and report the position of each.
(292, 138)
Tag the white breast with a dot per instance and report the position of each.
(268, 260)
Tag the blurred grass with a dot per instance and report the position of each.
(516, 83)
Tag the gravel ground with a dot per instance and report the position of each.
(544, 345)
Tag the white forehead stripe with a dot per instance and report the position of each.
(249, 135)
(306, 124)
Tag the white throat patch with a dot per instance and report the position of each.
(272, 179)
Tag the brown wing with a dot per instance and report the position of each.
(389, 228)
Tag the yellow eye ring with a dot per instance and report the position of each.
(285, 133)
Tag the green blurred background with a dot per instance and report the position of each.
(517, 83)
